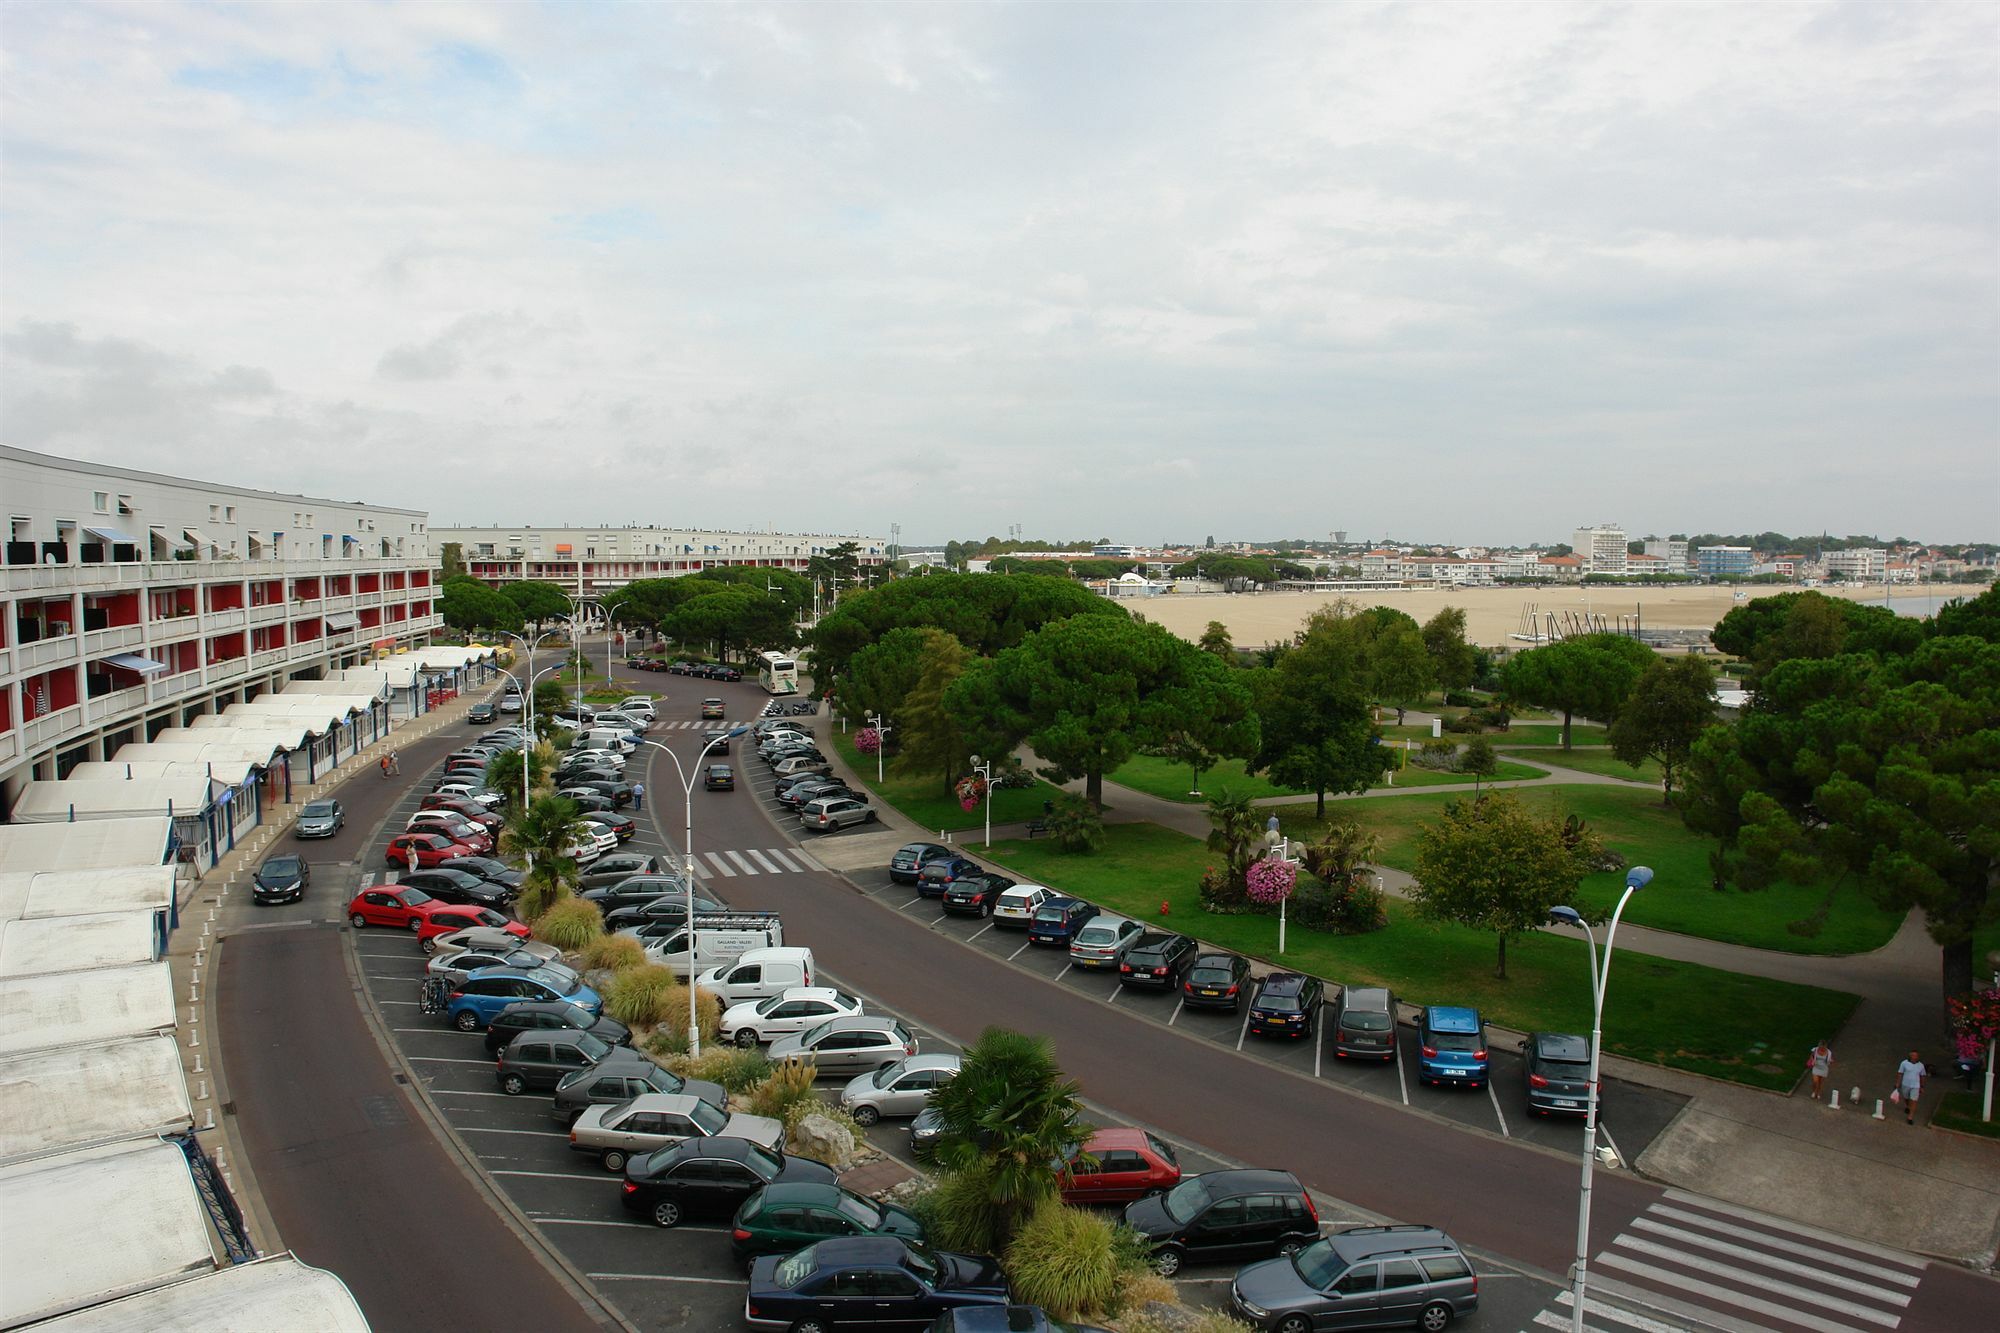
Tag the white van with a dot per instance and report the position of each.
(721, 938)
(758, 974)
(605, 738)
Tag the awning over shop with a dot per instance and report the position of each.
(198, 537)
(112, 535)
(145, 666)
(339, 621)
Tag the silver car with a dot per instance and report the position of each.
(320, 819)
(656, 1120)
(848, 1045)
(904, 1088)
(832, 812)
(1102, 941)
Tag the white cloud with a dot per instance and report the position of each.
(1474, 271)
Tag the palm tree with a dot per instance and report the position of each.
(1011, 1116)
(1236, 832)
(540, 837)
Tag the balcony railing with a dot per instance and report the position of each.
(100, 641)
(233, 618)
(269, 614)
(173, 687)
(46, 652)
(52, 727)
(104, 709)
(135, 574)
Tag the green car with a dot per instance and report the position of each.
(780, 1219)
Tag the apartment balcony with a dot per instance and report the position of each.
(215, 621)
(6, 663)
(106, 709)
(271, 613)
(269, 658)
(98, 642)
(172, 629)
(10, 747)
(46, 653)
(52, 727)
(94, 576)
(335, 601)
(174, 687)
(233, 668)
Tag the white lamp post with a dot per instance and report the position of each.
(687, 867)
(881, 732)
(1281, 850)
(1635, 879)
(985, 772)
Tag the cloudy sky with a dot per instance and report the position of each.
(1152, 272)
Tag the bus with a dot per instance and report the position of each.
(778, 672)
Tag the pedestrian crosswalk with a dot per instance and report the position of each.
(708, 724)
(1713, 1264)
(751, 861)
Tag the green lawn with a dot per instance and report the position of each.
(1678, 1014)
(1960, 1110)
(928, 802)
(1589, 761)
(1547, 733)
(1634, 823)
(1169, 780)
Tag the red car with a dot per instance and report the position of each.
(448, 917)
(1131, 1164)
(448, 825)
(472, 812)
(429, 849)
(397, 908)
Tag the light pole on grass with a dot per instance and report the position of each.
(881, 734)
(687, 867)
(985, 772)
(1600, 976)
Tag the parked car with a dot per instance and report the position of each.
(449, 826)
(469, 810)
(925, 1131)
(448, 884)
(654, 1120)
(757, 975)
(621, 1076)
(779, 1219)
(421, 851)
(618, 867)
(710, 1177)
(483, 711)
(551, 1016)
(1557, 1066)
(1118, 1166)
(458, 967)
(620, 827)
(834, 812)
(587, 798)
(1451, 1046)
(537, 1061)
(614, 790)
(448, 919)
(1017, 904)
(712, 708)
(781, 1015)
(671, 908)
(1101, 942)
(483, 939)
(393, 906)
(1216, 981)
(1058, 919)
(1004, 1319)
(975, 895)
(1364, 1023)
(319, 819)
(803, 761)
(281, 879)
(848, 1044)
(912, 858)
(1363, 1277)
(472, 1005)
(1285, 1004)
(941, 872)
(1156, 959)
(904, 1088)
(1222, 1216)
(497, 873)
(470, 789)
(871, 1282)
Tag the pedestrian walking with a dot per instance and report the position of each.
(638, 796)
(1819, 1063)
(395, 768)
(383, 763)
(1910, 1078)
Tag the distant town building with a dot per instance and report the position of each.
(1866, 564)
(1600, 550)
(1113, 552)
(1675, 553)
(1561, 568)
(1722, 561)
(1642, 566)
(597, 560)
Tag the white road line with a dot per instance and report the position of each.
(804, 856)
(1597, 1310)
(1117, 989)
(1025, 946)
(446, 1059)
(1805, 1296)
(783, 858)
(1179, 1004)
(586, 1222)
(1687, 1287)
(977, 933)
(1908, 1262)
(770, 867)
(1065, 972)
(558, 1175)
(1900, 1277)
(742, 864)
(1494, 1097)
(1605, 1130)
(526, 1133)
(1319, 1042)
(460, 1092)
(1244, 1030)
(701, 871)
(720, 864)
(665, 1277)
(1401, 1086)
(412, 1003)
(1812, 1272)
(912, 903)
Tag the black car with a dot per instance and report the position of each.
(1286, 1005)
(710, 1177)
(941, 872)
(494, 872)
(717, 740)
(587, 801)
(1558, 1073)
(871, 1282)
(618, 866)
(974, 895)
(1216, 981)
(719, 777)
(620, 825)
(550, 1016)
(1225, 1217)
(281, 879)
(450, 885)
(812, 786)
(632, 889)
(925, 1131)
(483, 711)
(1156, 959)
(621, 1076)
(671, 907)
(615, 790)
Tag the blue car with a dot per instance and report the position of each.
(472, 1004)
(1451, 1046)
(1057, 920)
(867, 1282)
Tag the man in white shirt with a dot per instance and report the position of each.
(1910, 1077)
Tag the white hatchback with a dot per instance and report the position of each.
(1018, 905)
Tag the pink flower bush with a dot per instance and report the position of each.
(970, 791)
(1270, 880)
(1975, 1019)
(868, 740)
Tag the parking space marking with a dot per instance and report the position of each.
(1065, 971)
(599, 1222)
(1498, 1114)
(461, 1092)
(912, 903)
(447, 1059)
(1605, 1130)
(1401, 1086)
(1243, 1031)
(412, 1003)
(977, 933)
(664, 1277)
(1319, 1041)
(530, 1133)
(558, 1175)
(1025, 946)
(1178, 1006)
(1117, 989)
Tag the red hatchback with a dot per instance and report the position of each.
(429, 849)
(1131, 1164)
(472, 812)
(399, 909)
(449, 917)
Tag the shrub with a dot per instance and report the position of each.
(1441, 755)
(665, 1043)
(1187, 1321)
(963, 1216)
(1468, 725)
(1353, 909)
(786, 1086)
(641, 997)
(614, 953)
(1463, 699)
(737, 1070)
(1496, 716)
(1220, 895)
(1064, 1260)
(1137, 1288)
(1076, 825)
(571, 924)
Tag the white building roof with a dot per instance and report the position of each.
(444, 657)
(223, 775)
(96, 844)
(28, 894)
(224, 749)
(79, 1008)
(275, 1293)
(252, 733)
(321, 709)
(90, 798)
(103, 1222)
(374, 681)
(77, 1095)
(49, 944)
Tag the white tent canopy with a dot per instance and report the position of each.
(78, 1095)
(47, 802)
(222, 775)
(95, 844)
(275, 1293)
(78, 1008)
(372, 681)
(324, 708)
(64, 1245)
(446, 657)
(51, 944)
(220, 748)
(26, 895)
(278, 733)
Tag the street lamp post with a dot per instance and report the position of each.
(528, 741)
(881, 731)
(985, 772)
(1281, 850)
(1635, 879)
(687, 868)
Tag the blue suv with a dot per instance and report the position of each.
(474, 1001)
(1451, 1046)
(1057, 920)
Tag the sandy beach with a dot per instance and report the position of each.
(1491, 614)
